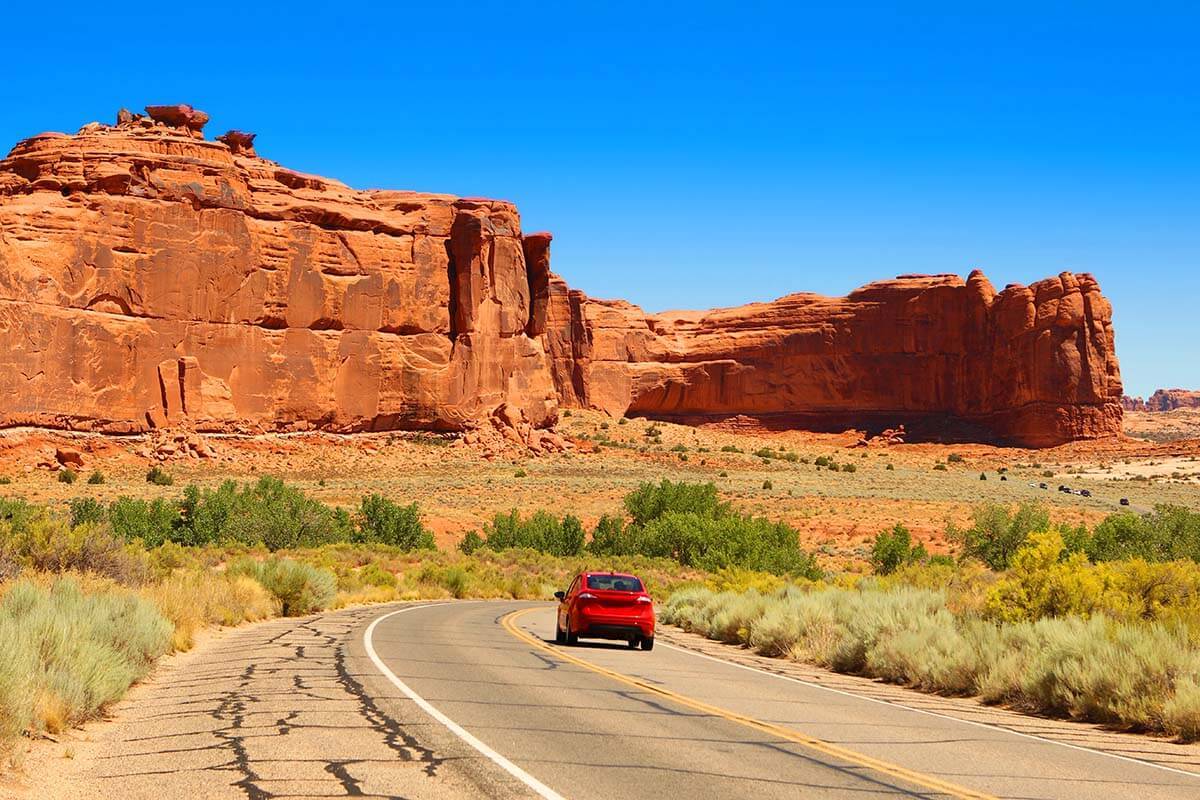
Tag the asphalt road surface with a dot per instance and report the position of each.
(472, 699)
(602, 721)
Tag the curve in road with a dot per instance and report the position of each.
(604, 721)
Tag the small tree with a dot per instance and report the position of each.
(893, 549)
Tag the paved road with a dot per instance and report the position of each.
(479, 704)
(603, 721)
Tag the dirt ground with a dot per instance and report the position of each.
(458, 487)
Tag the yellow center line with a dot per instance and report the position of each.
(789, 734)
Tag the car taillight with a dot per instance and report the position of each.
(587, 596)
(644, 599)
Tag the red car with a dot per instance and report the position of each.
(605, 605)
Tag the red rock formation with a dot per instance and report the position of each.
(1031, 365)
(150, 278)
(1171, 399)
(1132, 403)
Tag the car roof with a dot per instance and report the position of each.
(614, 574)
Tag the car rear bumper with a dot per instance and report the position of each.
(616, 631)
(615, 626)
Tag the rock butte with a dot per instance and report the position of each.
(1163, 400)
(150, 277)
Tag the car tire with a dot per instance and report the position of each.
(559, 636)
(647, 642)
(634, 642)
(572, 638)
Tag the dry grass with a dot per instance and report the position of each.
(1140, 676)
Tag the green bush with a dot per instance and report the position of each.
(158, 476)
(997, 532)
(267, 512)
(150, 521)
(955, 458)
(96, 478)
(651, 501)
(300, 588)
(380, 521)
(893, 549)
(470, 543)
(541, 531)
(67, 475)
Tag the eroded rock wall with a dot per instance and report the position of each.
(148, 275)
(948, 359)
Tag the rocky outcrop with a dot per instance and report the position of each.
(150, 278)
(946, 358)
(1163, 400)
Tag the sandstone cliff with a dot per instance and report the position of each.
(1030, 365)
(150, 277)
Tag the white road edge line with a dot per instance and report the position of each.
(999, 728)
(524, 777)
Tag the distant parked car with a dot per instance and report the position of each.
(1043, 486)
(1124, 501)
(1085, 492)
(1064, 489)
(605, 605)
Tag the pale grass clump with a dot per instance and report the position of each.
(196, 600)
(1181, 714)
(300, 588)
(65, 652)
(1092, 669)
(1144, 676)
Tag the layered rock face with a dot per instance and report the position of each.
(948, 359)
(152, 278)
(1163, 400)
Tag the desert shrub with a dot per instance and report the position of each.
(713, 543)
(159, 476)
(470, 543)
(850, 467)
(1181, 713)
(65, 652)
(542, 532)
(893, 548)
(1046, 582)
(997, 532)
(67, 475)
(940, 467)
(1137, 675)
(651, 501)
(380, 521)
(85, 510)
(150, 521)
(267, 512)
(195, 600)
(5, 480)
(96, 478)
(955, 458)
(48, 543)
(767, 485)
(300, 588)
(374, 575)
(610, 537)
(520, 474)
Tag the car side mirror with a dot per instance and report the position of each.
(560, 595)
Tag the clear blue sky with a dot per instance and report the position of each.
(693, 154)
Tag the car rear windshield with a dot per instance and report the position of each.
(614, 583)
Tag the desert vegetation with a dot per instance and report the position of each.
(1099, 622)
(1100, 625)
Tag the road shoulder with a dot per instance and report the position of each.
(1142, 747)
